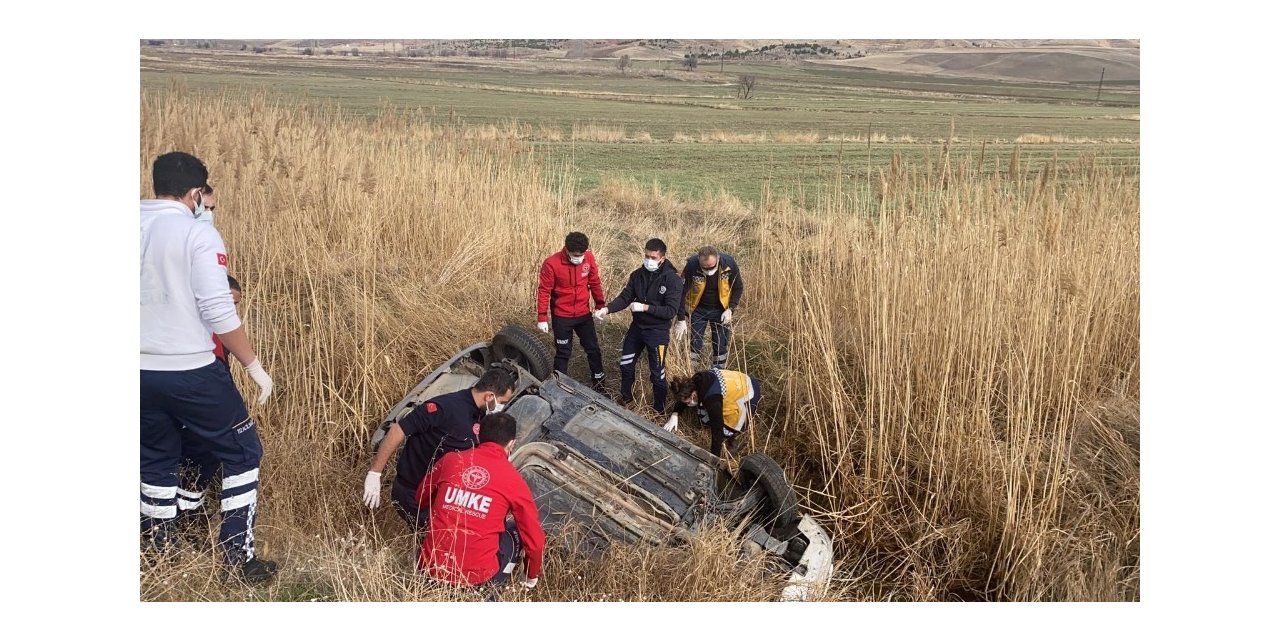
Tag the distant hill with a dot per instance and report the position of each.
(1034, 60)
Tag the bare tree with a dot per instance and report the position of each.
(690, 61)
(746, 84)
(624, 62)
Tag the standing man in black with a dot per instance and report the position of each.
(653, 295)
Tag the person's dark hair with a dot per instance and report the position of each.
(498, 427)
(175, 173)
(681, 387)
(234, 284)
(576, 241)
(499, 378)
(656, 244)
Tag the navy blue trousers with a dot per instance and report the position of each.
(509, 550)
(654, 340)
(405, 501)
(196, 471)
(207, 403)
(698, 320)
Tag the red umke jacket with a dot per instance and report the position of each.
(568, 287)
(470, 493)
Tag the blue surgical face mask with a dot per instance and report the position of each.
(650, 264)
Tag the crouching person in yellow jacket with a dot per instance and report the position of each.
(725, 401)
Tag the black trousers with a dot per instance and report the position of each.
(654, 340)
(563, 330)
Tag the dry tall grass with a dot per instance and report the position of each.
(596, 132)
(950, 361)
(1057, 138)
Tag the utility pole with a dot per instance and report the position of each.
(722, 61)
(1099, 96)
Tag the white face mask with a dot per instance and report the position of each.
(199, 212)
(576, 259)
(650, 264)
(711, 271)
(497, 406)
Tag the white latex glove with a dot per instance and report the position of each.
(726, 317)
(529, 583)
(542, 326)
(671, 424)
(261, 378)
(601, 313)
(373, 489)
(637, 307)
(681, 327)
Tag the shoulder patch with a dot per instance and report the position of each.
(432, 408)
(662, 289)
(222, 259)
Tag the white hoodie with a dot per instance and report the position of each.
(185, 296)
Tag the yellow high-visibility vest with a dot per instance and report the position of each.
(694, 291)
(736, 394)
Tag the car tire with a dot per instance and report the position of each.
(759, 472)
(522, 347)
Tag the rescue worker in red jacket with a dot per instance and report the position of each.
(567, 283)
(447, 422)
(725, 401)
(469, 494)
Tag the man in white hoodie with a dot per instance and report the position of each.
(185, 299)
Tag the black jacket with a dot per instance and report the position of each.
(660, 289)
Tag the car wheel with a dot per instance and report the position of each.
(523, 348)
(760, 473)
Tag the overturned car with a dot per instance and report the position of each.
(619, 477)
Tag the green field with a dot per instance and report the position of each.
(684, 130)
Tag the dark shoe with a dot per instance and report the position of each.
(255, 571)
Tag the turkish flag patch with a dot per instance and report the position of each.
(222, 259)
(432, 408)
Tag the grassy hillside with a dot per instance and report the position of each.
(686, 131)
(947, 336)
